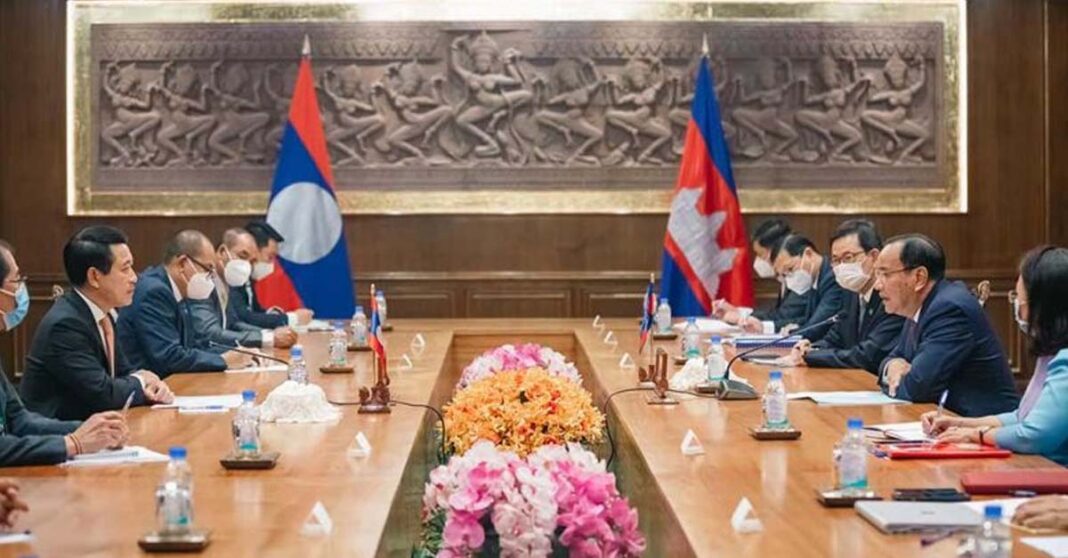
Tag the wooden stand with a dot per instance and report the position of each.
(192, 541)
(375, 399)
(337, 369)
(266, 460)
(681, 360)
(660, 381)
(386, 327)
(669, 336)
(358, 348)
(764, 434)
(837, 499)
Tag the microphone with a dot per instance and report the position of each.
(734, 389)
(238, 349)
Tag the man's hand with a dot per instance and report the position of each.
(102, 430)
(933, 424)
(235, 360)
(753, 325)
(1044, 512)
(147, 377)
(11, 502)
(284, 337)
(721, 308)
(896, 369)
(797, 354)
(304, 316)
(159, 392)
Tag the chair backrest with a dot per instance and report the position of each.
(982, 292)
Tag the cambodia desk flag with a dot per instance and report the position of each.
(706, 252)
(303, 207)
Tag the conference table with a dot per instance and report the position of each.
(685, 502)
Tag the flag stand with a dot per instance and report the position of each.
(375, 400)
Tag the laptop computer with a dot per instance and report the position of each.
(915, 517)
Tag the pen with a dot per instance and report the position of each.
(126, 406)
(942, 403)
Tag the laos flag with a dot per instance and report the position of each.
(304, 209)
(706, 251)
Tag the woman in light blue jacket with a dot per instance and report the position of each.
(1040, 424)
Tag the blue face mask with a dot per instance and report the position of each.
(22, 307)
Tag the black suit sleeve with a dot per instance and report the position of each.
(243, 309)
(73, 364)
(868, 354)
(791, 311)
(940, 354)
(161, 340)
(29, 438)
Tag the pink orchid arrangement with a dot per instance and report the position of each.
(518, 357)
(494, 503)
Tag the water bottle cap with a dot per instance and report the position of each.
(359, 309)
(992, 511)
(296, 351)
(717, 339)
(775, 375)
(177, 452)
(855, 424)
(248, 395)
(379, 293)
(663, 300)
(691, 320)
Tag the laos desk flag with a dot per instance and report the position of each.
(706, 252)
(303, 207)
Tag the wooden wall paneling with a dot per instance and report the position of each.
(1057, 119)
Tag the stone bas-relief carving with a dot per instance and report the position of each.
(520, 105)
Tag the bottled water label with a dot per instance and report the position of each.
(173, 508)
(338, 349)
(775, 411)
(853, 469)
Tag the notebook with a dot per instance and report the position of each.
(914, 517)
(1041, 481)
(927, 450)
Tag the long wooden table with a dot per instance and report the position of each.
(684, 502)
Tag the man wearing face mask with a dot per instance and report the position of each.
(947, 344)
(75, 367)
(27, 438)
(789, 307)
(866, 333)
(214, 319)
(243, 298)
(805, 272)
(157, 329)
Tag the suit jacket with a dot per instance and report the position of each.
(248, 309)
(855, 343)
(67, 371)
(157, 332)
(789, 308)
(953, 347)
(208, 323)
(825, 302)
(27, 438)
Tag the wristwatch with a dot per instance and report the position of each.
(982, 432)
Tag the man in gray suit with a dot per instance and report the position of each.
(27, 438)
(214, 319)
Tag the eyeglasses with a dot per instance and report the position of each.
(847, 258)
(206, 268)
(883, 274)
(18, 281)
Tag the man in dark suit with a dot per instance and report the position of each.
(215, 319)
(947, 342)
(75, 368)
(866, 333)
(243, 298)
(157, 329)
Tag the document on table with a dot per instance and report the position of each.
(903, 431)
(230, 401)
(16, 538)
(279, 367)
(1008, 507)
(314, 325)
(126, 455)
(711, 325)
(1057, 547)
(846, 398)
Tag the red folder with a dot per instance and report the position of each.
(927, 450)
(1041, 481)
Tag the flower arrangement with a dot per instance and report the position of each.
(559, 499)
(518, 357)
(521, 411)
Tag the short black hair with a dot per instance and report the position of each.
(919, 250)
(867, 236)
(793, 245)
(263, 233)
(1045, 277)
(5, 248)
(90, 248)
(184, 243)
(770, 233)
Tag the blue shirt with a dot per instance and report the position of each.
(1044, 430)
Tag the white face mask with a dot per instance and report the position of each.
(261, 270)
(763, 269)
(237, 272)
(1020, 322)
(200, 286)
(851, 276)
(799, 281)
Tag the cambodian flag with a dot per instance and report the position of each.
(648, 312)
(706, 251)
(304, 209)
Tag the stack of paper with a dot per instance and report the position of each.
(314, 325)
(904, 431)
(279, 367)
(1057, 547)
(128, 454)
(711, 326)
(203, 402)
(846, 398)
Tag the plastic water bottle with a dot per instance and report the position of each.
(993, 539)
(358, 328)
(339, 346)
(174, 495)
(691, 339)
(715, 360)
(247, 426)
(851, 459)
(298, 369)
(663, 316)
(380, 301)
(775, 402)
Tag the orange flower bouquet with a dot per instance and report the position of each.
(521, 411)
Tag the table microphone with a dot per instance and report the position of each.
(238, 349)
(734, 389)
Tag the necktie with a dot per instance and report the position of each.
(109, 342)
(862, 307)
